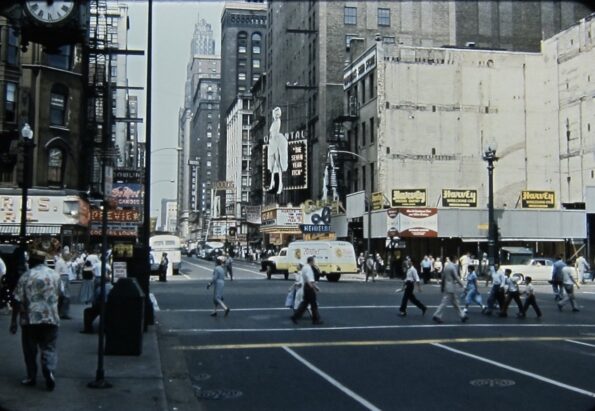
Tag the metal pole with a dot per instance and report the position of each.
(149, 318)
(27, 148)
(491, 223)
(369, 225)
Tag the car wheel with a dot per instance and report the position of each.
(333, 278)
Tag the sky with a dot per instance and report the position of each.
(173, 26)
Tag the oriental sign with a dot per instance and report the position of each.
(538, 199)
(415, 197)
(459, 198)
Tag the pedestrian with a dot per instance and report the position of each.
(557, 278)
(379, 265)
(449, 279)
(63, 268)
(426, 269)
(219, 282)
(310, 289)
(370, 263)
(296, 289)
(438, 267)
(472, 290)
(464, 262)
(496, 293)
(87, 284)
(36, 300)
(228, 266)
(530, 297)
(361, 263)
(512, 293)
(91, 313)
(583, 267)
(568, 282)
(411, 279)
(163, 267)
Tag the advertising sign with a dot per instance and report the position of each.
(296, 175)
(289, 217)
(413, 222)
(119, 269)
(414, 197)
(127, 175)
(115, 230)
(459, 198)
(377, 201)
(128, 194)
(131, 216)
(45, 210)
(538, 199)
(253, 214)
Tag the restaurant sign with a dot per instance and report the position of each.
(538, 199)
(459, 198)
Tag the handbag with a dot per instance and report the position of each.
(290, 299)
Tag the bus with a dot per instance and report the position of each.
(170, 244)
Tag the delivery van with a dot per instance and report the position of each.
(333, 258)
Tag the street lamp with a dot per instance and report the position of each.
(368, 199)
(28, 144)
(489, 155)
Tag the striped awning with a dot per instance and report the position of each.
(32, 229)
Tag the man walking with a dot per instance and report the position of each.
(309, 294)
(512, 293)
(426, 269)
(228, 266)
(411, 278)
(36, 299)
(557, 278)
(582, 266)
(496, 292)
(163, 267)
(370, 264)
(450, 277)
(568, 283)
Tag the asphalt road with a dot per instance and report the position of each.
(365, 356)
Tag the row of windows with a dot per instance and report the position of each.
(355, 186)
(365, 137)
(58, 101)
(382, 16)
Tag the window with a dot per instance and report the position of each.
(372, 130)
(209, 163)
(208, 154)
(242, 42)
(355, 180)
(371, 176)
(363, 133)
(10, 102)
(242, 63)
(350, 15)
(383, 17)
(209, 126)
(58, 97)
(12, 55)
(209, 134)
(255, 77)
(241, 76)
(209, 144)
(371, 85)
(364, 178)
(256, 43)
(55, 163)
(256, 63)
(389, 40)
(62, 58)
(255, 49)
(363, 90)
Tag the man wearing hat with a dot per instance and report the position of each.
(36, 295)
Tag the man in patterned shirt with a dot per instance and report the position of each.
(36, 296)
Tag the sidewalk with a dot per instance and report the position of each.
(137, 380)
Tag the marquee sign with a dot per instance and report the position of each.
(296, 175)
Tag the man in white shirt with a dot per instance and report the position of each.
(411, 278)
(497, 290)
(582, 266)
(309, 294)
(450, 278)
(568, 282)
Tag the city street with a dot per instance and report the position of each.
(365, 356)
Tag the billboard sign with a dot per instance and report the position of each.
(459, 198)
(414, 197)
(538, 199)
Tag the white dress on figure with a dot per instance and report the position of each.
(277, 158)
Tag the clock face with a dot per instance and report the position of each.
(50, 11)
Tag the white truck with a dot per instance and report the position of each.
(333, 258)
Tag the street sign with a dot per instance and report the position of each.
(315, 228)
(377, 201)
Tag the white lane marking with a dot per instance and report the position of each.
(209, 268)
(580, 343)
(186, 276)
(371, 327)
(368, 405)
(348, 307)
(518, 371)
(154, 301)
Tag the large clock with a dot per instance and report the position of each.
(50, 11)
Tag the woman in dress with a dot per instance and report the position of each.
(277, 160)
(219, 282)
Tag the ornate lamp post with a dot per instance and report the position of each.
(28, 144)
(489, 155)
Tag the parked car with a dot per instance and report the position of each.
(539, 268)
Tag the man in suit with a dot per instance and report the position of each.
(450, 277)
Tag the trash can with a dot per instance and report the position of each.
(124, 318)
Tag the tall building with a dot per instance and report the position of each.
(169, 215)
(309, 43)
(239, 144)
(199, 133)
(243, 26)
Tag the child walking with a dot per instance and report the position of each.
(530, 299)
